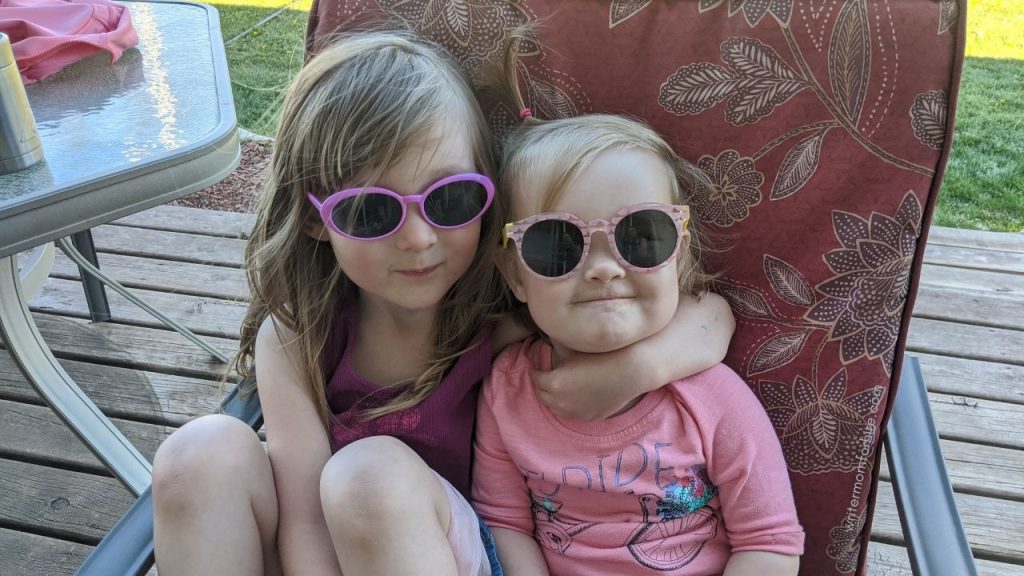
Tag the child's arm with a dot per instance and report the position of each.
(594, 386)
(519, 553)
(746, 465)
(500, 493)
(756, 563)
(298, 449)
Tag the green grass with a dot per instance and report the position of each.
(262, 59)
(984, 182)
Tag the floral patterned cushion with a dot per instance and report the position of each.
(824, 127)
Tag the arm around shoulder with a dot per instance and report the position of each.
(594, 386)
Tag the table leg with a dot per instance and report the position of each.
(95, 297)
(31, 353)
(88, 269)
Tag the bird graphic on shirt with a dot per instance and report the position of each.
(683, 510)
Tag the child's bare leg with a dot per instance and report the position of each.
(386, 510)
(214, 500)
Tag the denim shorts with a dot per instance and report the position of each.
(492, 550)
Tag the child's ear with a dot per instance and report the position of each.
(508, 264)
(316, 229)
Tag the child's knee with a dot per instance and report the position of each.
(371, 479)
(211, 449)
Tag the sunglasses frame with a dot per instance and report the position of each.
(679, 213)
(326, 207)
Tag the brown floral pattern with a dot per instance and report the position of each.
(734, 185)
(474, 32)
(755, 80)
(754, 10)
(621, 10)
(928, 118)
(846, 542)
(864, 301)
(822, 430)
(949, 15)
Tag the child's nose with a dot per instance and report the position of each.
(601, 264)
(416, 233)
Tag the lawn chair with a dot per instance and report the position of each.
(824, 128)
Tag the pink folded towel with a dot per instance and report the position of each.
(47, 35)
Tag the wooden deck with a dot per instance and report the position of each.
(56, 501)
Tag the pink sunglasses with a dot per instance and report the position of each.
(643, 237)
(372, 213)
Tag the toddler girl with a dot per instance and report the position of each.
(686, 479)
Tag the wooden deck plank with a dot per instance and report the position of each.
(125, 392)
(978, 421)
(975, 258)
(970, 307)
(888, 560)
(203, 315)
(59, 503)
(983, 281)
(942, 236)
(995, 528)
(966, 341)
(34, 434)
(981, 470)
(132, 346)
(24, 554)
(135, 272)
(180, 246)
(192, 220)
(973, 378)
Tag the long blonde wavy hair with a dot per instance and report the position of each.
(347, 116)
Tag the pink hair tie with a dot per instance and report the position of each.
(525, 113)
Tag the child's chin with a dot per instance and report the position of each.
(605, 344)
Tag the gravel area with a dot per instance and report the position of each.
(237, 192)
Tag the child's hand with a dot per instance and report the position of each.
(568, 391)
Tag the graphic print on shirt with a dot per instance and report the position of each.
(683, 510)
(550, 531)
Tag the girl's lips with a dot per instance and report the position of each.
(419, 272)
(598, 299)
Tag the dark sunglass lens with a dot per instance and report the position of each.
(552, 248)
(455, 203)
(367, 215)
(646, 238)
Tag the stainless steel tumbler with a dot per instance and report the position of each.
(19, 142)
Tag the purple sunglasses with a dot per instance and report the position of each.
(372, 213)
(644, 237)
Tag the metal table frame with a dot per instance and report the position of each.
(42, 204)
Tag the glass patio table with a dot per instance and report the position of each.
(117, 138)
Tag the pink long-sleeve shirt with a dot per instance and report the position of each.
(690, 474)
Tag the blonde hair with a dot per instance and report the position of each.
(347, 116)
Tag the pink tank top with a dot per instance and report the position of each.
(439, 429)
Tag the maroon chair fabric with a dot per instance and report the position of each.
(824, 128)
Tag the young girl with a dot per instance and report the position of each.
(371, 279)
(687, 479)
